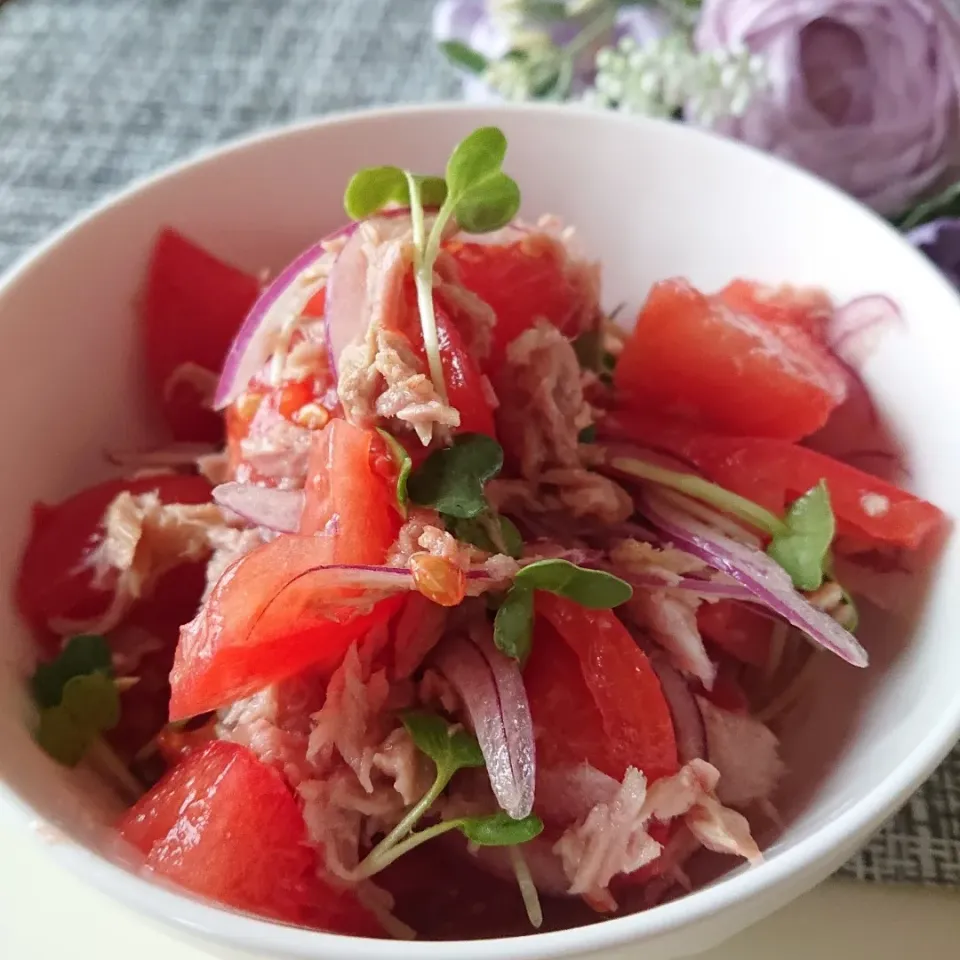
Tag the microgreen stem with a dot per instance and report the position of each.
(423, 277)
(703, 490)
(408, 822)
(528, 889)
(374, 864)
(595, 29)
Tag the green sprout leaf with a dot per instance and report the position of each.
(449, 749)
(61, 738)
(90, 706)
(480, 532)
(371, 190)
(588, 434)
(513, 624)
(460, 55)
(84, 654)
(803, 547)
(594, 589)
(404, 464)
(500, 829)
(451, 479)
(482, 197)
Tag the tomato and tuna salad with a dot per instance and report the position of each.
(452, 607)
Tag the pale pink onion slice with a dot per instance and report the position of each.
(688, 724)
(764, 578)
(472, 677)
(856, 328)
(268, 507)
(515, 711)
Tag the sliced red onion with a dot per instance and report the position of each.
(688, 724)
(857, 328)
(472, 677)
(764, 578)
(515, 711)
(708, 589)
(268, 507)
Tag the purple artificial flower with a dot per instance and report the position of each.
(940, 241)
(476, 24)
(865, 93)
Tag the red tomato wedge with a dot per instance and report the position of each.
(634, 716)
(738, 631)
(351, 494)
(461, 375)
(693, 357)
(520, 281)
(225, 826)
(193, 306)
(52, 581)
(808, 309)
(272, 614)
(774, 473)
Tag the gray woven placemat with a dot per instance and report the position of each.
(96, 92)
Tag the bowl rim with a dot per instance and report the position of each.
(166, 904)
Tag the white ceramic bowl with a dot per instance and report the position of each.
(652, 200)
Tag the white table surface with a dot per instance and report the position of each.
(46, 914)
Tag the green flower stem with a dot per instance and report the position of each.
(702, 490)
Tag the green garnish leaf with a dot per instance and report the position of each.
(451, 479)
(589, 350)
(482, 196)
(802, 548)
(513, 624)
(588, 434)
(90, 706)
(500, 829)
(84, 654)
(460, 55)
(374, 188)
(476, 531)
(59, 736)
(593, 589)
(371, 190)
(449, 749)
(404, 465)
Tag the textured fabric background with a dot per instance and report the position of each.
(96, 92)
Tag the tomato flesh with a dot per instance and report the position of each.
(193, 307)
(737, 630)
(225, 826)
(635, 727)
(693, 357)
(52, 581)
(271, 615)
(521, 281)
(351, 494)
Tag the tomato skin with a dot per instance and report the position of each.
(265, 620)
(774, 473)
(637, 729)
(225, 826)
(520, 281)
(351, 494)
(193, 306)
(52, 581)
(694, 358)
